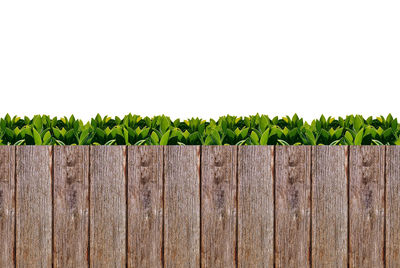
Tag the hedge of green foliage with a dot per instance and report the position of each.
(161, 130)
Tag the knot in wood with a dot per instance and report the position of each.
(293, 160)
(220, 199)
(367, 176)
(71, 175)
(144, 175)
(367, 160)
(144, 161)
(218, 161)
(72, 200)
(219, 176)
(71, 160)
(294, 175)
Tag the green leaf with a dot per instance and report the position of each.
(36, 137)
(164, 138)
(282, 142)
(140, 142)
(154, 137)
(310, 137)
(61, 143)
(37, 123)
(20, 142)
(47, 138)
(334, 142)
(264, 137)
(110, 142)
(359, 137)
(376, 142)
(216, 137)
(240, 142)
(164, 124)
(358, 122)
(254, 138)
(349, 138)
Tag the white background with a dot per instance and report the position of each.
(199, 58)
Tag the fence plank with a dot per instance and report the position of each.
(71, 206)
(292, 206)
(107, 206)
(255, 206)
(392, 206)
(7, 205)
(367, 184)
(33, 206)
(329, 206)
(145, 206)
(182, 206)
(218, 208)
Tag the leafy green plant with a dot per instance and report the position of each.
(227, 130)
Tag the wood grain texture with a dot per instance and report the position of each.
(255, 206)
(107, 206)
(219, 206)
(392, 206)
(7, 205)
(292, 206)
(145, 206)
(366, 204)
(329, 206)
(182, 206)
(33, 206)
(71, 206)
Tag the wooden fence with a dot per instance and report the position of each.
(200, 206)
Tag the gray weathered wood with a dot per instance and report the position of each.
(219, 206)
(71, 206)
(366, 206)
(7, 205)
(182, 206)
(107, 206)
(392, 206)
(292, 206)
(255, 206)
(329, 206)
(145, 206)
(33, 206)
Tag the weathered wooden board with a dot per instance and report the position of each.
(366, 206)
(71, 206)
(182, 206)
(255, 206)
(34, 206)
(329, 206)
(392, 206)
(145, 206)
(218, 206)
(107, 206)
(7, 205)
(292, 206)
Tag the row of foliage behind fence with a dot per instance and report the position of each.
(227, 130)
(199, 206)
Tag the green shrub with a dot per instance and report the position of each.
(161, 130)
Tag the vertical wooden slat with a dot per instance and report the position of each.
(219, 207)
(7, 205)
(34, 206)
(292, 206)
(367, 186)
(107, 206)
(392, 206)
(255, 206)
(71, 206)
(182, 206)
(145, 206)
(329, 206)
